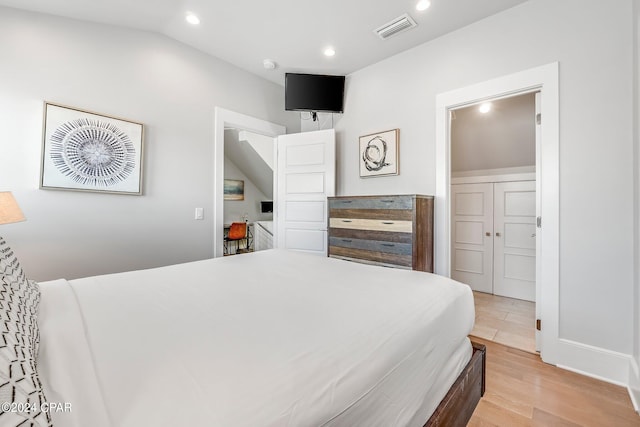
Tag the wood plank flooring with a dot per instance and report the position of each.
(505, 320)
(521, 390)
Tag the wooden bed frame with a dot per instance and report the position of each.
(458, 405)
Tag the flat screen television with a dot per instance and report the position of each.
(266, 206)
(313, 92)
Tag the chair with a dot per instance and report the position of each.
(237, 232)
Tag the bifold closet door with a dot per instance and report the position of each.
(515, 240)
(472, 235)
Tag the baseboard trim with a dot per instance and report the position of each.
(606, 365)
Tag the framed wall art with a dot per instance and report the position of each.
(86, 151)
(379, 154)
(233, 189)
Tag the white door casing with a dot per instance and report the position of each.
(305, 178)
(472, 235)
(514, 224)
(544, 79)
(538, 215)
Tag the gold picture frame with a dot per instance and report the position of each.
(86, 151)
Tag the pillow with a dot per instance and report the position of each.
(9, 265)
(21, 395)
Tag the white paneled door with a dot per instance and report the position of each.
(305, 178)
(493, 237)
(472, 235)
(515, 240)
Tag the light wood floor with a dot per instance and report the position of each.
(521, 390)
(505, 320)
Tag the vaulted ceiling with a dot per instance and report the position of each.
(291, 33)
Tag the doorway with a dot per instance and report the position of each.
(493, 215)
(545, 80)
(248, 200)
(226, 119)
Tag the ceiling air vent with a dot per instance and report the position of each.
(396, 26)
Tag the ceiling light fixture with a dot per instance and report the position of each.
(423, 5)
(192, 18)
(329, 51)
(485, 107)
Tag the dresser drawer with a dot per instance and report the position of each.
(384, 202)
(370, 257)
(372, 224)
(372, 245)
(382, 214)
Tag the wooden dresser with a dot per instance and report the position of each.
(395, 231)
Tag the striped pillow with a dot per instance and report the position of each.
(21, 395)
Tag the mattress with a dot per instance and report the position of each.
(271, 338)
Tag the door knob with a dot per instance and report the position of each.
(497, 234)
(487, 234)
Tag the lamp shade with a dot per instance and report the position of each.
(9, 209)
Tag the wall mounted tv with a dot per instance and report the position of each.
(266, 206)
(313, 92)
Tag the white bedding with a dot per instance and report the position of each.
(271, 338)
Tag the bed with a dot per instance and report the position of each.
(271, 338)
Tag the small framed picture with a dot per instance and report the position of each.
(86, 151)
(379, 154)
(233, 189)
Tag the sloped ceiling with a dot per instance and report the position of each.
(249, 162)
(502, 138)
(293, 33)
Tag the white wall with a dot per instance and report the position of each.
(323, 121)
(141, 76)
(596, 162)
(235, 209)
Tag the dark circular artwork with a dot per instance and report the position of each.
(92, 152)
(375, 154)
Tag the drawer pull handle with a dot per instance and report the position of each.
(346, 201)
(387, 201)
(389, 245)
(346, 220)
(347, 240)
(387, 222)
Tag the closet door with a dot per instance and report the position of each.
(515, 242)
(472, 235)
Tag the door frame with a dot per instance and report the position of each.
(544, 79)
(227, 118)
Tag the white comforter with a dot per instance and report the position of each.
(271, 338)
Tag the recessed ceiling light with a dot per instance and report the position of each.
(485, 107)
(192, 18)
(423, 5)
(329, 51)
